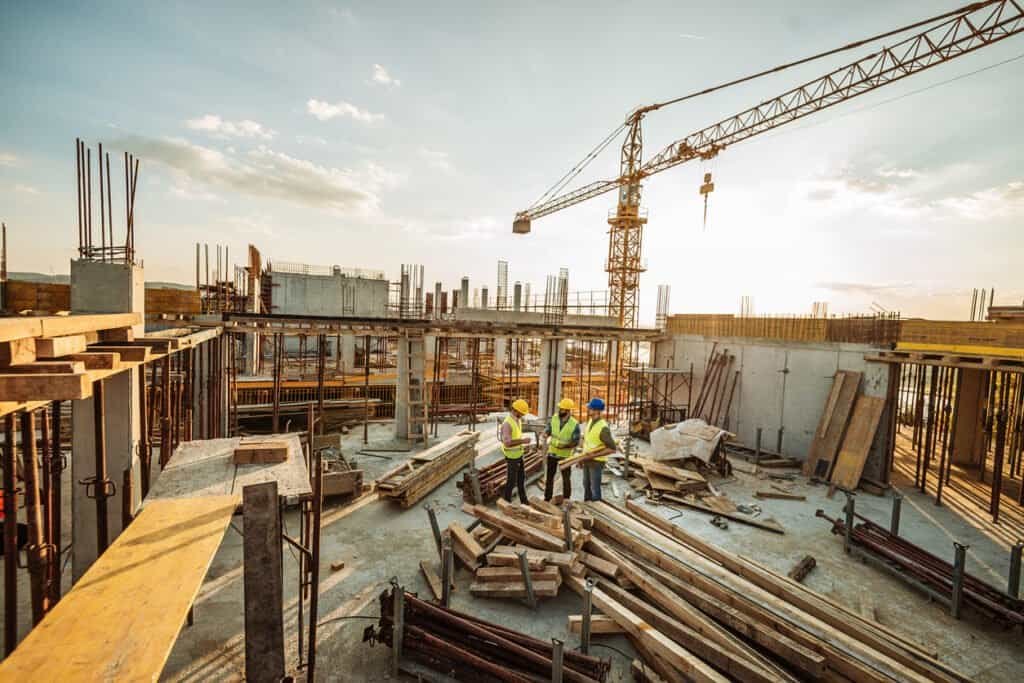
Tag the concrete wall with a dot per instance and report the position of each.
(782, 385)
(334, 295)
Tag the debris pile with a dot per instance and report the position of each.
(492, 477)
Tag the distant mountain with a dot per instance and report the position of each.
(66, 280)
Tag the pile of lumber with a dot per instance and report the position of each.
(422, 473)
(467, 648)
(492, 477)
(492, 551)
(665, 476)
(696, 612)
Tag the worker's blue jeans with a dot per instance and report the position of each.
(592, 471)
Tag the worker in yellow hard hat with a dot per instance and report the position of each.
(512, 443)
(563, 435)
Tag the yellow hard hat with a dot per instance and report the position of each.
(520, 406)
(566, 404)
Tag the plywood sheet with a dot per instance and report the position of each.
(121, 619)
(205, 468)
(867, 413)
(832, 425)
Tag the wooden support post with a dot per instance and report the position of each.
(99, 482)
(278, 352)
(55, 471)
(263, 584)
(144, 450)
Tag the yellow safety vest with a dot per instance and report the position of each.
(561, 437)
(516, 431)
(592, 438)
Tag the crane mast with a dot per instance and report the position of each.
(954, 34)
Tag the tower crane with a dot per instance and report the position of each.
(943, 38)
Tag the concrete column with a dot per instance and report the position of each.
(410, 359)
(969, 439)
(552, 362)
(104, 288)
(500, 353)
(348, 353)
(464, 294)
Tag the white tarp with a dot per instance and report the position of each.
(694, 438)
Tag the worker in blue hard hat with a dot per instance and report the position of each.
(563, 435)
(597, 444)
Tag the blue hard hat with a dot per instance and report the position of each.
(596, 404)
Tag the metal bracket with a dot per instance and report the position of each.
(96, 488)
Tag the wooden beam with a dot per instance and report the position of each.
(56, 367)
(599, 623)
(132, 354)
(55, 347)
(95, 360)
(17, 351)
(56, 326)
(44, 387)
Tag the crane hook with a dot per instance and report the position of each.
(707, 188)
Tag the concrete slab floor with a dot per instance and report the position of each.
(381, 541)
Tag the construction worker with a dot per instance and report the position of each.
(512, 443)
(597, 439)
(563, 435)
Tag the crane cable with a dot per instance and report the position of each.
(578, 168)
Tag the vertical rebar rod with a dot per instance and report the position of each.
(10, 538)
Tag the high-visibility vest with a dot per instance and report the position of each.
(592, 438)
(561, 437)
(516, 432)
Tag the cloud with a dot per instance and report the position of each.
(480, 227)
(863, 287)
(251, 225)
(218, 127)
(690, 36)
(437, 159)
(902, 173)
(325, 111)
(7, 159)
(1003, 201)
(263, 173)
(381, 75)
(25, 189)
(310, 140)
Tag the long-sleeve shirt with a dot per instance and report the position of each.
(607, 439)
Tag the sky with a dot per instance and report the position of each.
(375, 134)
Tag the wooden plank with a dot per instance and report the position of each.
(17, 351)
(94, 360)
(261, 451)
(519, 532)
(600, 565)
(433, 580)
(659, 643)
(55, 347)
(57, 326)
(513, 589)
(56, 367)
(766, 524)
(512, 574)
(263, 583)
(867, 413)
(466, 548)
(778, 495)
(120, 621)
(562, 560)
(20, 328)
(44, 387)
(832, 426)
(507, 558)
(132, 354)
(599, 624)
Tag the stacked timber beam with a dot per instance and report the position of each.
(698, 612)
(415, 478)
(536, 530)
(467, 648)
(492, 477)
